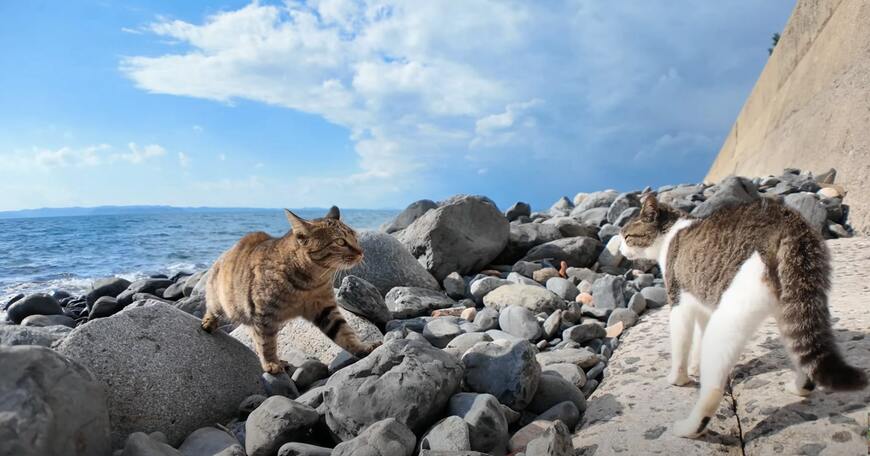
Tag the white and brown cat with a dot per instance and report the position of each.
(725, 274)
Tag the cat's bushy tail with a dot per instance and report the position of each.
(804, 269)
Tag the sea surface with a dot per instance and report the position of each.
(68, 253)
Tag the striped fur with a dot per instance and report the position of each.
(262, 282)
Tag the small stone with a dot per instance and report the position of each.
(449, 434)
(518, 210)
(552, 324)
(454, 285)
(580, 357)
(637, 303)
(278, 420)
(520, 322)
(608, 292)
(570, 372)
(449, 312)
(555, 441)
(552, 390)
(308, 372)
(625, 316)
(563, 288)
(486, 319)
(584, 332)
(525, 268)
(440, 331)
(469, 314)
(596, 371)
(655, 297)
(105, 306)
(545, 274)
(584, 298)
(279, 385)
(49, 320)
(488, 429)
(829, 192)
(615, 330)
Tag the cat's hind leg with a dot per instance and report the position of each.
(746, 303)
(702, 317)
(265, 339)
(330, 321)
(682, 324)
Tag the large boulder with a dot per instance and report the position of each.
(163, 372)
(388, 264)
(579, 251)
(525, 236)
(32, 335)
(409, 302)
(809, 206)
(731, 191)
(536, 299)
(300, 335)
(403, 379)
(35, 304)
(49, 405)
(362, 298)
(464, 234)
(506, 369)
(407, 216)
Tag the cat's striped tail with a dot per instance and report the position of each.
(804, 274)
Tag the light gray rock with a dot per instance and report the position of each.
(622, 203)
(552, 324)
(35, 304)
(553, 389)
(49, 320)
(408, 215)
(32, 335)
(596, 216)
(388, 437)
(403, 379)
(626, 316)
(580, 357)
(388, 264)
(514, 361)
(637, 303)
(303, 449)
(460, 344)
(278, 420)
(454, 286)
(449, 434)
(364, 299)
(601, 199)
(570, 372)
(626, 217)
(536, 299)
(730, 192)
(137, 354)
(608, 292)
(440, 331)
(655, 297)
(555, 441)
(464, 234)
(515, 277)
(809, 206)
(409, 302)
(497, 334)
(49, 405)
(488, 429)
(299, 335)
(207, 441)
(576, 251)
(526, 268)
(486, 319)
(584, 332)
(484, 285)
(561, 207)
(563, 288)
(141, 444)
(519, 321)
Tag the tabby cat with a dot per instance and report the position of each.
(725, 275)
(262, 282)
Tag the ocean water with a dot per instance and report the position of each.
(68, 253)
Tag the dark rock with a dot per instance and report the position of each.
(488, 429)
(364, 299)
(555, 441)
(278, 420)
(141, 444)
(525, 236)
(552, 390)
(622, 203)
(730, 192)
(514, 361)
(406, 302)
(637, 303)
(110, 286)
(388, 264)
(626, 316)
(149, 286)
(49, 320)
(388, 437)
(279, 385)
(809, 206)
(655, 297)
(308, 372)
(454, 286)
(565, 412)
(563, 288)
(584, 332)
(207, 441)
(250, 403)
(449, 434)
(104, 307)
(409, 215)
(576, 251)
(440, 331)
(35, 304)
(303, 449)
(518, 210)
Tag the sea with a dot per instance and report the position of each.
(70, 252)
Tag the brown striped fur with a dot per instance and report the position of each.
(262, 282)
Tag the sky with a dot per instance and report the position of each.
(367, 104)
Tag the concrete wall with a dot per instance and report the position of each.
(810, 108)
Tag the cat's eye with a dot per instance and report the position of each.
(341, 242)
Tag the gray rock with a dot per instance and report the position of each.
(388, 437)
(409, 215)
(308, 372)
(460, 344)
(626, 316)
(584, 332)
(303, 449)
(514, 361)
(596, 370)
(32, 335)
(141, 444)
(594, 312)
(403, 379)
(278, 420)
(388, 264)
(525, 236)
(313, 397)
(50, 405)
(580, 357)
(137, 354)
(454, 286)
(484, 285)
(576, 251)
(552, 324)
(105, 306)
(526, 268)
(449, 434)
(608, 292)
(148, 286)
(464, 234)
(235, 450)
(515, 277)
(593, 217)
(655, 297)
(175, 291)
(110, 286)
(486, 422)
(553, 389)
(486, 319)
(364, 299)
(250, 403)
(564, 288)
(607, 232)
(570, 227)
(731, 191)
(518, 210)
(809, 206)
(279, 385)
(519, 321)
(626, 216)
(637, 303)
(596, 200)
(207, 441)
(562, 207)
(497, 334)
(49, 320)
(622, 203)
(299, 335)
(440, 331)
(35, 304)
(570, 372)
(407, 302)
(555, 441)
(536, 299)
(565, 412)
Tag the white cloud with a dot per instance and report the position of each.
(138, 155)
(77, 157)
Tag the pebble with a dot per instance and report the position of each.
(563, 288)
(440, 331)
(469, 314)
(545, 274)
(486, 319)
(519, 321)
(488, 429)
(637, 303)
(552, 324)
(454, 285)
(655, 297)
(584, 332)
(626, 316)
(516, 363)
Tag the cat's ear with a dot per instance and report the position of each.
(649, 209)
(300, 226)
(333, 213)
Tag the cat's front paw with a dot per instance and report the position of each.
(275, 367)
(689, 428)
(678, 378)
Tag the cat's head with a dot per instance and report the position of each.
(326, 241)
(643, 236)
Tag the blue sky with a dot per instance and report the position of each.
(366, 104)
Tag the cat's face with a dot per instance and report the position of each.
(327, 241)
(643, 236)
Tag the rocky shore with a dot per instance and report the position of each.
(496, 328)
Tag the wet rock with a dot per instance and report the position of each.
(110, 286)
(35, 304)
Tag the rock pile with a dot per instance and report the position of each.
(496, 328)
